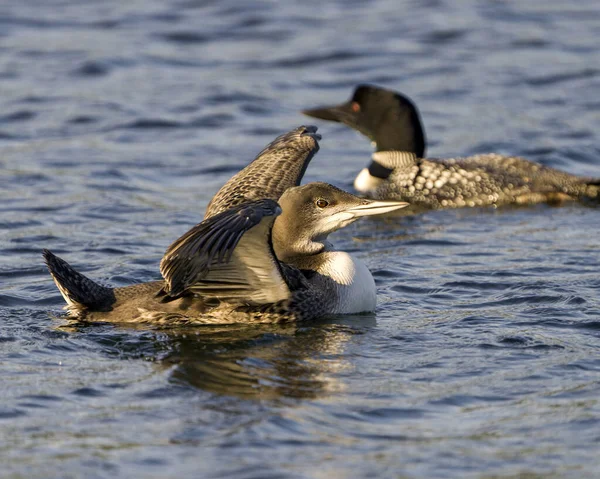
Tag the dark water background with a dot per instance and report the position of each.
(118, 122)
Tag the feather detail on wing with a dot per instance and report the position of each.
(281, 165)
(228, 256)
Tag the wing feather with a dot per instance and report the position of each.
(228, 256)
(281, 165)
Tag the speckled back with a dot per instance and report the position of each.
(481, 180)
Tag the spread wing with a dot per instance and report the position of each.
(281, 165)
(228, 256)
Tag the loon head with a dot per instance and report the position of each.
(313, 211)
(388, 118)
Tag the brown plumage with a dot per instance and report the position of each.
(278, 167)
(225, 269)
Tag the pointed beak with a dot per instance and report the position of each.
(372, 207)
(364, 207)
(340, 113)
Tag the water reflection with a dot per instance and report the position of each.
(292, 361)
(266, 362)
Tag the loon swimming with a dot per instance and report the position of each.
(399, 171)
(260, 255)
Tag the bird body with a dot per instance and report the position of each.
(260, 255)
(479, 180)
(399, 170)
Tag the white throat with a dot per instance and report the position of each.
(351, 281)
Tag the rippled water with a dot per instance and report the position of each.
(119, 121)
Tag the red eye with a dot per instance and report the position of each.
(355, 107)
(321, 203)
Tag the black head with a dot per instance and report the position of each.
(312, 211)
(388, 118)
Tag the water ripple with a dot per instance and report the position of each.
(121, 120)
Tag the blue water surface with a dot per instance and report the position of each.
(120, 120)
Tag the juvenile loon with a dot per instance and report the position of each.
(398, 169)
(260, 255)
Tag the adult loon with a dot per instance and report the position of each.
(398, 169)
(260, 255)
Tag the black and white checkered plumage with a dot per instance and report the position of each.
(400, 171)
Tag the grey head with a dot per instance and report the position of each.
(279, 166)
(310, 213)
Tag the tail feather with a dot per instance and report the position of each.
(80, 293)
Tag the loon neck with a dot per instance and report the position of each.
(346, 279)
(397, 126)
(303, 253)
(392, 159)
(336, 265)
(310, 262)
(377, 170)
(384, 162)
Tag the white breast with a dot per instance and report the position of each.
(365, 182)
(352, 283)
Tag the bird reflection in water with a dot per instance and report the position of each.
(263, 361)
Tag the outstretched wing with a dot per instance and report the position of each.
(228, 256)
(395, 159)
(281, 165)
